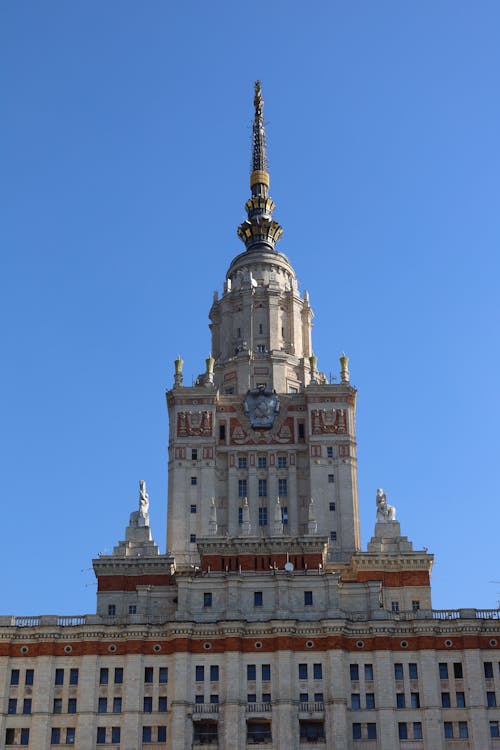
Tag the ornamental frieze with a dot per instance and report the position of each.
(194, 423)
(243, 435)
(329, 421)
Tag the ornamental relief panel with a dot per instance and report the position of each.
(282, 433)
(329, 421)
(194, 423)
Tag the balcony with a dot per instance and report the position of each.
(255, 708)
(313, 707)
(205, 708)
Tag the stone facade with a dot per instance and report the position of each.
(264, 624)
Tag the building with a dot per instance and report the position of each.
(265, 624)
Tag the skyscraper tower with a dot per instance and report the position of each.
(262, 452)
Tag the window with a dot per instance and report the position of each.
(251, 698)
(370, 701)
(304, 697)
(302, 431)
(400, 700)
(402, 730)
(318, 671)
(193, 508)
(147, 734)
(27, 706)
(457, 670)
(199, 699)
(117, 705)
(318, 697)
(162, 704)
(371, 731)
(57, 706)
(207, 599)
(415, 605)
(490, 698)
(395, 606)
(443, 671)
(333, 536)
(104, 676)
(284, 515)
(9, 736)
(12, 708)
(214, 698)
(308, 598)
(147, 704)
(14, 676)
(118, 675)
(356, 731)
(72, 705)
(266, 697)
(368, 672)
(494, 729)
(448, 730)
(262, 516)
(242, 487)
(461, 700)
(199, 673)
(329, 451)
(55, 736)
(73, 676)
(445, 700)
(163, 676)
(102, 706)
(251, 672)
(463, 729)
(132, 609)
(262, 462)
(415, 700)
(417, 730)
(238, 332)
(70, 735)
(260, 328)
(101, 735)
(222, 431)
(282, 462)
(240, 515)
(257, 599)
(355, 701)
(302, 671)
(194, 454)
(331, 478)
(194, 481)
(112, 610)
(266, 672)
(192, 538)
(29, 677)
(332, 506)
(214, 673)
(354, 670)
(262, 487)
(161, 735)
(398, 671)
(59, 678)
(115, 735)
(413, 671)
(488, 669)
(282, 487)
(242, 462)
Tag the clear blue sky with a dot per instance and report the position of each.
(125, 147)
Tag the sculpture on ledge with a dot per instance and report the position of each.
(143, 518)
(385, 512)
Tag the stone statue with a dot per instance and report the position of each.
(143, 518)
(385, 512)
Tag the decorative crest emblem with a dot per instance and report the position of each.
(261, 406)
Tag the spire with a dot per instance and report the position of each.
(259, 231)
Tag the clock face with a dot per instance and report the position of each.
(261, 407)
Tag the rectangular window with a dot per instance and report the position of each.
(331, 506)
(199, 699)
(242, 462)
(214, 673)
(57, 706)
(494, 729)
(445, 700)
(370, 701)
(329, 451)
(302, 671)
(415, 605)
(333, 536)
(262, 487)
(207, 599)
(222, 432)
(111, 610)
(194, 454)
(199, 673)
(371, 731)
(463, 730)
(282, 487)
(415, 700)
(9, 736)
(251, 698)
(242, 488)
(132, 609)
(355, 701)
(448, 730)
(266, 672)
(443, 671)
(192, 538)
(457, 670)
(461, 699)
(162, 704)
(262, 462)
(12, 708)
(147, 704)
(117, 705)
(262, 516)
(193, 508)
(214, 698)
(115, 735)
(402, 730)
(102, 706)
(118, 675)
(369, 672)
(29, 677)
(282, 462)
(331, 478)
(318, 671)
(147, 734)
(318, 697)
(72, 705)
(59, 678)
(25, 737)
(70, 735)
(491, 699)
(395, 606)
(356, 731)
(400, 700)
(257, 599)
(251, 672)
(304, 697)
(354, 671)
(302, 430)
(398, 671)
(101, 735)
(308, 598)
(104, 676)
(488, 669)
(194, 481)
(27, 706)
(417, 730)
(266, 697)
(240, 516)
(163, 675)
(413, 671)
(55, 736)
(73, 676)
(284, 515)
(162, 734)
